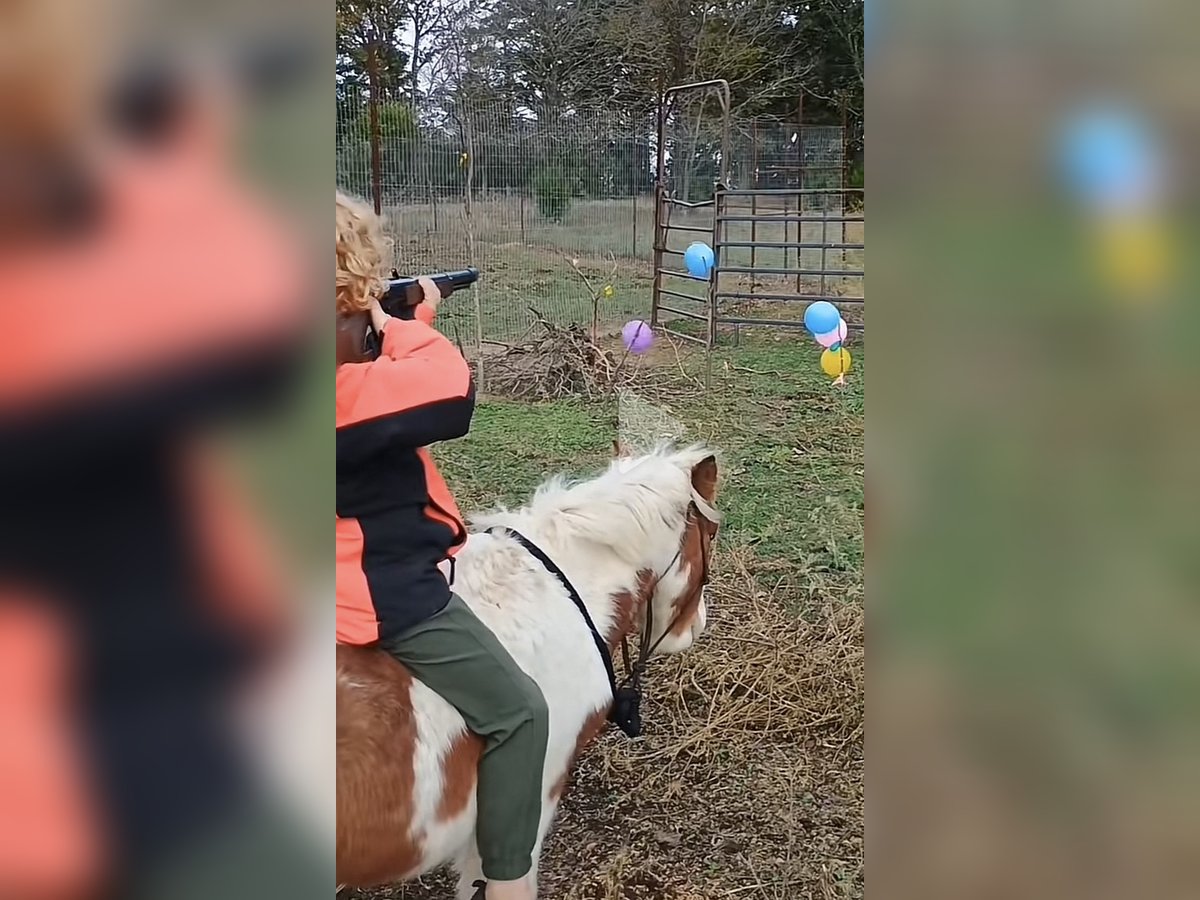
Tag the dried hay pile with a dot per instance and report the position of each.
(550, 362)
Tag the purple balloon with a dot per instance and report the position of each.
(638, 336)
(829, 338)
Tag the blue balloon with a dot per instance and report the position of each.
(821, 317)
(1108, 155)
(699, 259)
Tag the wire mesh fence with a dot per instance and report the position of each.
(554, 207)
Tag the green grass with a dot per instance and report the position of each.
(792, 447)
(516, 278)
(794, 454)
(514, 446)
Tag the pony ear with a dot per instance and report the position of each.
(704, 478)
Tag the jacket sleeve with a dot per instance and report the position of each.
(425, 313)
(419, 391)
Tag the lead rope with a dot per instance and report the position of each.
(626, 711)
(627, 699)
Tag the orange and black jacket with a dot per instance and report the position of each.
(396, 519)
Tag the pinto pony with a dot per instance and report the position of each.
(635, 543)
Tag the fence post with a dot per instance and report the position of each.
(719, 198)
(800, 141)
(633, 241)
(467, 126)
(787, 231)
(824, 250)
(754, 204)
(799, 184)
(376, 150)
(660, 232)
(843, 177)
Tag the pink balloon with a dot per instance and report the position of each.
(829, 338)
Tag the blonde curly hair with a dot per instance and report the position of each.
(363, 254)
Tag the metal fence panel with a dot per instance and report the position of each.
(539, 200)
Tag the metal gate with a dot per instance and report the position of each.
(682, 303)
(774, 249)
(818, 263)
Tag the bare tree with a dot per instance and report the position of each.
(433, 25)
(458, 56)
(750, 43)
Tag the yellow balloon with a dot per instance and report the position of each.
(836, 362)
(1135, 255)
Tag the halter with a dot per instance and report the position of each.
(627, 697)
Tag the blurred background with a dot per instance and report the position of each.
(165, 451)
(1033, 450)
(1034, 665)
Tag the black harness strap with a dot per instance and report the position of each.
(537, 553)
(626, 711)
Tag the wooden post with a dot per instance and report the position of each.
(845, 144)
(799, 183)
(800, 141)
(787, 231)
(845, 175)
(754, 203)
(660, 232)
(714, 277)
(824, 240)
(633, 241)
(373, 108)
(753, 239)
(468, 132)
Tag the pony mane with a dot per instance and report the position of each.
(635, 505)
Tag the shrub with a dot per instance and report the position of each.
(856, 178)
(553, 194)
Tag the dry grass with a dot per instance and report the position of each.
(720, 799)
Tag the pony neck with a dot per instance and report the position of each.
(613, 537)
(614, 590)
(626, 607)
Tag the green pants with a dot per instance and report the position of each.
(458, 657)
